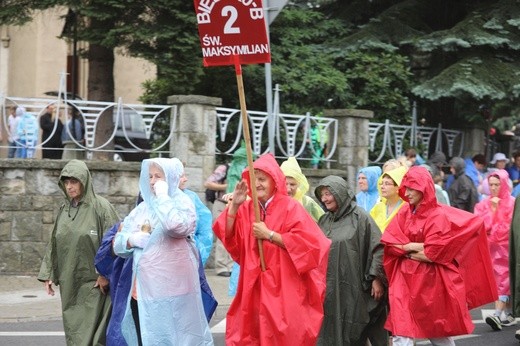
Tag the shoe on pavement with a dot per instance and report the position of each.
(494, 322)
(517, 335)
(509, 321)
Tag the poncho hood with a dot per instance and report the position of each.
(397, 174)
(372, 173)
(343, 195)
(291, 168)
(267, 164)
(459, 165)
(418, 178)
(504, 193)
(234, 172)
(78, 169)
(173, 170)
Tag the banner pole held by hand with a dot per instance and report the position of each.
(249, 151)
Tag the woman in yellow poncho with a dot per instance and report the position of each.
(297, 187)
(384, 210)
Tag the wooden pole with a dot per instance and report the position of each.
(249, 151)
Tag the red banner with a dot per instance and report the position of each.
(232, 32)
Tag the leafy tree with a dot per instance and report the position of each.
(462, 53)
(313, 74)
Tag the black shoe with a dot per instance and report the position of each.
(494, 322)
(517, 335)
(224, 274)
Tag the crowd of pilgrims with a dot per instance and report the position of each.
(386, 265)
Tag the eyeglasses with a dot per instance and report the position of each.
(387, 183)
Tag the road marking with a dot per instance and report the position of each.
(32, 333)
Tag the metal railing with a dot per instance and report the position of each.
(124, 117)
(293, 135)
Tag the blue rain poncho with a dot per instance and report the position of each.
(165, 272)
(203, 231)
(367, 199)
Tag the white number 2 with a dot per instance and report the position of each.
(232, 13)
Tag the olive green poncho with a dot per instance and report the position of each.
(69, 260)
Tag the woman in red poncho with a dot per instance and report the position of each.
(429, 249)
(497, 212)
(284, 304)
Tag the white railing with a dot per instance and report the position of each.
(292, 135)
(90, 113)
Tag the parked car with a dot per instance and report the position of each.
(134, 128)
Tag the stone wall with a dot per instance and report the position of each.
(30, 198)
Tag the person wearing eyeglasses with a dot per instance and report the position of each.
(389, 205)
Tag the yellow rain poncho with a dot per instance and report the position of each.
(378, 212)
(291, 168)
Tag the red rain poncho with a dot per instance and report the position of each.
(497, 226)
(431, 300)
(284, 304)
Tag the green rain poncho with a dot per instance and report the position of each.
(69, 260)
(291, 168)
(355, 260)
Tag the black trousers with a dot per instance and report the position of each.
(135, 315)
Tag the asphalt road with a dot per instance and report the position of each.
(50, 333)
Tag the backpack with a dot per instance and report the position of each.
(211, 195)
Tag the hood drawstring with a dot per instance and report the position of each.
(77, 210)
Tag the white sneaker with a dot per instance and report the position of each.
(509, 321)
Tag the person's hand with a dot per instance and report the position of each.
(240, 193)
(139, 239)
(161, 188)
(228, 197)
(102, 283)
(494, 201)
(260, 230)
(48, 287)
(377, 289)
(413, 247)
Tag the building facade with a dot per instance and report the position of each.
(33, 57)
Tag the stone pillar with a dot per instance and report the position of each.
(474, 142)
(193, 141)
(353, 141)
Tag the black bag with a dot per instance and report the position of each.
(210, 195)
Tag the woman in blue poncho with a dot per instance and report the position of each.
(368, 195)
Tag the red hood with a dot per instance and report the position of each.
(268, 164)
(418, 178)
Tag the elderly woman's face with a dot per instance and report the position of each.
(265, 186)
(388, 187)
(292, 186)
(73, 188)
(155, 174)
(362, 182)
(327, 198)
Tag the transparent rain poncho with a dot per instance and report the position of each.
(165, 272)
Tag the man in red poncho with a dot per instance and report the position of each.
(429, 250)
(284, 304)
